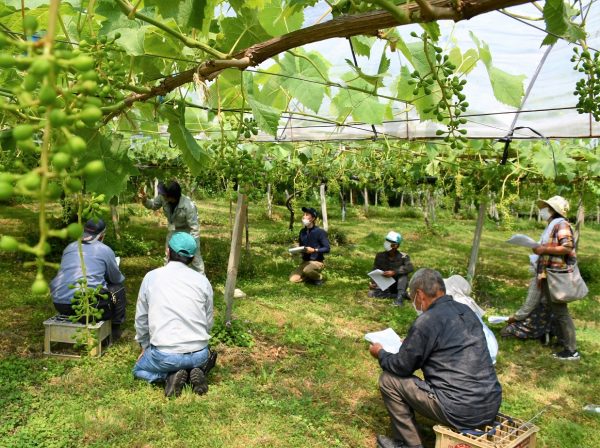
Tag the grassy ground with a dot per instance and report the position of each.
(308, 379)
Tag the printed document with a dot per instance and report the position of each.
(522, 240)
(296, 250)
(382, 282)
(388, 338)
(497, 319)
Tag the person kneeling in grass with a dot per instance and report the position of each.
(315, 243)
(446, 341)
(173, 318)
(394, 264)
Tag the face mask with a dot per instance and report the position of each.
(419, 312)
(305, 222)
(387, 246)
(545, 214)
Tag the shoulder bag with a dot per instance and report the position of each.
(566, 285)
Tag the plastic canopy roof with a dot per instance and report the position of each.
(515, 46)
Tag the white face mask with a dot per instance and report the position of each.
(387, 246)
(305, 222)
(418, 311)
(545, 214)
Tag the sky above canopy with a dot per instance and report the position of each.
(515, 47)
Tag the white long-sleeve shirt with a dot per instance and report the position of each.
(174, 309)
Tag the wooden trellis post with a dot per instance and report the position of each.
(234, 253)
(476, 242)
(324, 207)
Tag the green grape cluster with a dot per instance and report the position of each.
(458, 184)
(249, 127)
(587, 89)
(345, 7)
(241, 167)
(452, 103)
(56, 93)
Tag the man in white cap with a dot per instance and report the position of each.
(556, 251)
(173, 319)
(394, 264)
(101, 269)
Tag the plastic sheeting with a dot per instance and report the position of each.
(515, 48)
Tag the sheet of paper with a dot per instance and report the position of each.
(497, 319)
(388, 338)
(296, 250)
(118, 261)
(522, 240)
(382, 282)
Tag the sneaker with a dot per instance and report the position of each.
(376, 294)
(315, 282)
(210, 362)
(175, 382)
(388, 442)
(567, 355)
(198, 381)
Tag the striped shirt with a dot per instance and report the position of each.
(562, 235)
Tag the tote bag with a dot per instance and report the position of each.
(566, 285)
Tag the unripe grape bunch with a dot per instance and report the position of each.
(58, 96)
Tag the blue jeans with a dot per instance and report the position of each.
(155, 365)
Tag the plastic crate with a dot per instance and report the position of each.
(509, 433)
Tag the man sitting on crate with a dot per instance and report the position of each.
(101, 269)
(446, 341)
(173, 318)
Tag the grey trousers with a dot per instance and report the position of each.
(563, 320)
(402, 398)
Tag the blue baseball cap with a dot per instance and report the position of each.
(183, 243)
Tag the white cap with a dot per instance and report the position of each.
(394, 237)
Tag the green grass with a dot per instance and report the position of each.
(308, 379)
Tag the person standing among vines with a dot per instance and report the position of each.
(181, 214)
(556, 251)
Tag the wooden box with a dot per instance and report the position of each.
(60, 329)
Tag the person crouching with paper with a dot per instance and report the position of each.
(394, 264)
(446, 341)
(316, 244)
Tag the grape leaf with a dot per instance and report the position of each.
(118, 167)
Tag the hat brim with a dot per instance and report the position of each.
(310, 211)
(88, 236)
(541, 204)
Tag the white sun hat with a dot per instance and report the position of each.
(557, 203)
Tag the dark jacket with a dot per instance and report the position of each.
(400, 264)
(317, 239)
(447, 343)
